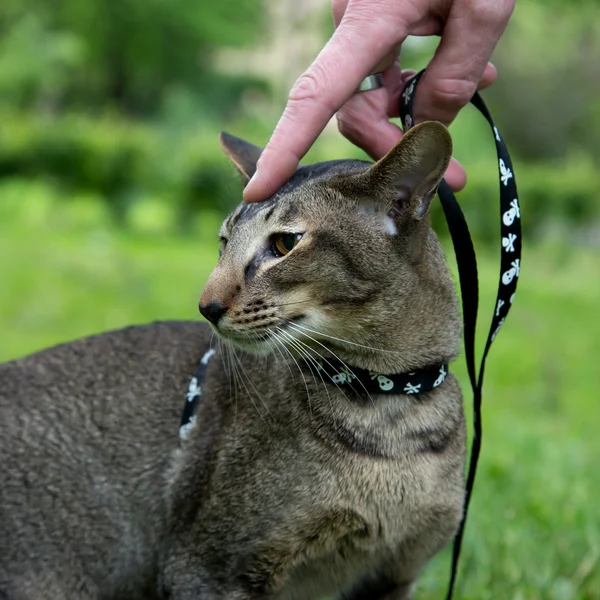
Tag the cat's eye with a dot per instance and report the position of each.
(283, 243)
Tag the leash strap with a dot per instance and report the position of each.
(510, 267)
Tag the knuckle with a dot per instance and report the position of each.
(452, 94)
(350, 124)
(361, 22)
(354, 19)
(495, 12)
(311, 89)
(338, 8)
(306, 89)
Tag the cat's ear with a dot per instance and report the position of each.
(242, 154)
(407, 177)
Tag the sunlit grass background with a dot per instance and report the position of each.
(112, 187)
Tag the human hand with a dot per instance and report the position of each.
(367, 40)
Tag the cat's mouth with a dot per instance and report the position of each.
(252, 342)
(255, 332)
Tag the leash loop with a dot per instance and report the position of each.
(510, 268)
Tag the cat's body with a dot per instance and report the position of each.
(88, 432)
(287, 487)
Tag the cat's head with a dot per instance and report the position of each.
(342, 254)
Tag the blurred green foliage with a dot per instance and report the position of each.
(123, 100)
(124, 162)
(127, 54)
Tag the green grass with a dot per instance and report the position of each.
(534, 527)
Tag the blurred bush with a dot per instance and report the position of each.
(126, 163)
(127, 54)
(559, 197)
(123, 161)
(122, 101)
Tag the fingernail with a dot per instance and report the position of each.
(254, 177)
(249, 187)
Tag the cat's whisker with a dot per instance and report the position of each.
(343, 363)
(303, 354)
(324, 359)
(266, 339)
(238, 376)
(223, 355)
(307, 359)
(344, 341)
(233, 374)
(306, 353)
(299, 369)
(236, 384)
(249, 380)
(274, 343)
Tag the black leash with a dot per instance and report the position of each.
(510, 266)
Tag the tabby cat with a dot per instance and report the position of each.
(286, 483)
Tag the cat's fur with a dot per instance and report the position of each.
(286, 487)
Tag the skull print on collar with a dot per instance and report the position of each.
(363, 381)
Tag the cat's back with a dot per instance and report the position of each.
(88, 428)
(109, 368)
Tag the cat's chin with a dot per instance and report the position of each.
(258, 347)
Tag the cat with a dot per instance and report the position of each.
(286, 483)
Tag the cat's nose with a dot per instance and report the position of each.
(213, 311)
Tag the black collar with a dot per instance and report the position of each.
(360, 381)
(372, 382)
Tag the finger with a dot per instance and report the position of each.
(362, 120)
(376, 136)
(364, 117)
(350, 55)
(459, 64)
(367, 129)
(455, 176)
(487, 79)
(490, 73)
(338, 8)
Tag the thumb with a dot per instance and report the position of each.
(459, 64)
